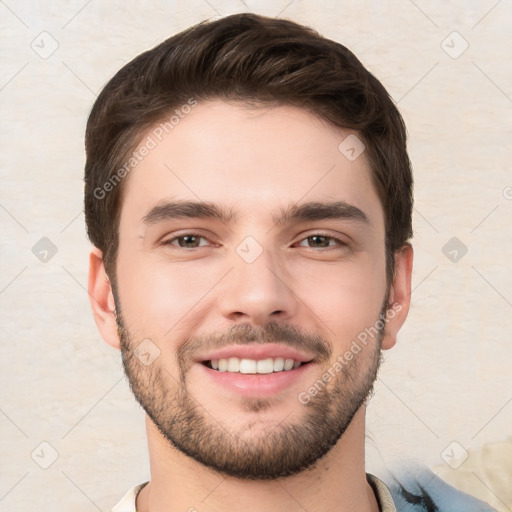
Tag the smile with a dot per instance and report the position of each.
(253, 366)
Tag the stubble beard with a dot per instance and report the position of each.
(267, 452)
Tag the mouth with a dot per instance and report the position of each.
(255, 378)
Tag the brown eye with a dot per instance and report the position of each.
(187, 241)
(322, 241)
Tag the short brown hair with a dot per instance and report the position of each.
(258, 60)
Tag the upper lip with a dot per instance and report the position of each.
(260, 351)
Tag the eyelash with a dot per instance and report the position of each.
(340, 243)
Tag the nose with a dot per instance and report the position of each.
(257, 292)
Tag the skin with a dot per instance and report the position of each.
(254, 161)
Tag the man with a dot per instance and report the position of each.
(249, 196)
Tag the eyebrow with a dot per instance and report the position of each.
(312, 211)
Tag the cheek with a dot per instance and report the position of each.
(159, 299)
(345, 299)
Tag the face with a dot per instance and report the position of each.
(283, 260)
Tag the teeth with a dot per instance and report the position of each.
(278, 364)
(233, 364)
(248, 366)
(269, 365)
(265, 365)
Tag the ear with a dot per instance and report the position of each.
(399, 296)
(102, 299)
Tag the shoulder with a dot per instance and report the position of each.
(416, 489)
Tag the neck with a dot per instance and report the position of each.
(336, 483)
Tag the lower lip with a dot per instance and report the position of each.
(257, 385)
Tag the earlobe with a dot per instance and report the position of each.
(399, 295)
(102, 299)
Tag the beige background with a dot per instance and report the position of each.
(447, 381)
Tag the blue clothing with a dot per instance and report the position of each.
(420, 490)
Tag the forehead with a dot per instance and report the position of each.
(252, 162)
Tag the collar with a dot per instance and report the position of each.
(382, 494)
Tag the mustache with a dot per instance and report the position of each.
(245, 334)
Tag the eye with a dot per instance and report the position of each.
(186, 241)
(192, 241)
(322, 240)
